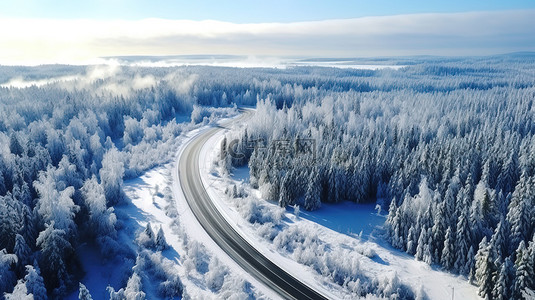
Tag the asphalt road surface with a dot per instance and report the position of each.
(224, 234)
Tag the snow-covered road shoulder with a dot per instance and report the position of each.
(195, 232)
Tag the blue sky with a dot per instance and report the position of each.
(61, 31)
(244, 11)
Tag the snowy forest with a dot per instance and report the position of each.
(446, 145)
(448, 149)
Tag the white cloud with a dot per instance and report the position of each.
(82, 41)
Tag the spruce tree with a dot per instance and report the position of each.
(390, 219)
(422, 241)
(518, 213)
(313, 192)
(20, 292)
(161, 243)
(462, 245)
(55, 250)
(522, 277)
(15, 146)
(84, 293)
(485, 270)
(504, 281)
(7, 276)
(23, 253)
(35, 283)
(498, 242)
(448, 253)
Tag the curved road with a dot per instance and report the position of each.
(224, 234)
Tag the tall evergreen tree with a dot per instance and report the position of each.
(499, 240)
(285, 198)
(84, 293)
(7, 274)
(438, 232)
(471, 264)
(485, 270)
(56, 251)
(111, 175)
(133, 288)
(19, 292)
(15, 145)
(448, 253)
(161, 243)
(35, 283)
(504, 281)
(462, 245)
(412, 241)
(518, 213)
(422, 243)
(23, 253)
(523, 277)
(390, 220)
(313, 193)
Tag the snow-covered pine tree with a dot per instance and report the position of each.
(55, 206)
(499, 240)
(147, 238)
(504, 281)
(55, 250)
(284, 191)
(35, 283)
(223, 149)
(313, 192)
(422, 241)
(111, 175)
(428, 248)
(161, 243)
(133, 288)
(448, 253)
(84, 293)
(7, 275)
(101, 218)
(462, 244)
(412, 241)
(19, 292)
(438, 232)
(29, 229)
(234, 191)
(485, 270)
(15, 145)
(23, 253)
(450, 199)
(523, 278)
(471, 263)
(531, 262)
(9, 221)
(390, 220)
(518, 215)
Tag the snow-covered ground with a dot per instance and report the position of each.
(343, 229)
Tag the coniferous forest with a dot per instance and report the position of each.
(446, 145)
(448, 149)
